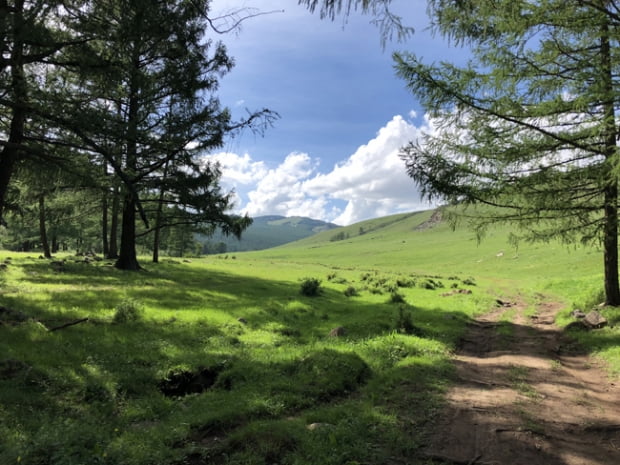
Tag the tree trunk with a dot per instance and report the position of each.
(127, 258)
(612, 286)
(156, 236)
(610, 239)
(104, 224)
(104, 214)
(19, 94)
(42, 229)
(160, 208)
(113, 245)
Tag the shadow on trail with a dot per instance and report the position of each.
(526, 394)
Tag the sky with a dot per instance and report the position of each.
(344, 114)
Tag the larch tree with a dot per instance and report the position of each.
(147, 104)
(528, 127)
(30, 41)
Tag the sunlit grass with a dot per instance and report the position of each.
(90, 393)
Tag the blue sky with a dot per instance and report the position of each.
(333, 154)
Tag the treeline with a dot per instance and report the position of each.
(105, 108)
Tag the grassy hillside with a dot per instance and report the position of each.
(226, 361)
(416, 243)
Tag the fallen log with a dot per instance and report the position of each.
(66, 325)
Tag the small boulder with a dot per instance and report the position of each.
(578, 314)
(243, 321)
(594, 320)
(337, 332)
(318, 426)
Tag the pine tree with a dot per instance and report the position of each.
(529, 126)
(147, 101)
(29, 40)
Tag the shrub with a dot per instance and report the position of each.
(310, 287)
(127, 311)
(430, 284)
(404, 282)
(350, 292)
(396, 298)
(404, 323)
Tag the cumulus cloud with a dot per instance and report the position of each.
(371, 182)
(238, 169)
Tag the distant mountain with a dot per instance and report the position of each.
(266, 232)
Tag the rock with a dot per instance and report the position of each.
(578, 314)
(317, 426)
(337, 332)
(243, 321)
(594, 320)
(464, 291)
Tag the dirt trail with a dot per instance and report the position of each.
(524, 397)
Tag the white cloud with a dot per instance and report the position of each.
(370, 183)
(238, 169)
(373, 180)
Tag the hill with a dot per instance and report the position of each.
(422, 242)
(266, 232)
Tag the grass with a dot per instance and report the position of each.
(249, 356)
(90, 393)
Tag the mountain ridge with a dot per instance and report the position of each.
(266, 231)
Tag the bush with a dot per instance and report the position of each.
(404, 282)
(310, 287)
(430, 284)
(350, 292)
(396, 298)
(127, 311)
(404, 323)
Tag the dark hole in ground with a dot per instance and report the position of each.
(182, 383)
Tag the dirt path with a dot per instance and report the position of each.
(523, 397)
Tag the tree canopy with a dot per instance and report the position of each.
(125, 94)
(529, 124)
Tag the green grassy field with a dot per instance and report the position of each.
(223, 360)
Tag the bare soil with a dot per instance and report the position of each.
(526, 396)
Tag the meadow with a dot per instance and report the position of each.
(320, 351)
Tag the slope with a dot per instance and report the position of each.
(418, 242)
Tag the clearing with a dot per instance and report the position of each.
(525, 395)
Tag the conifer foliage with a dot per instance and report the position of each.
(529, 125)
(128, 87)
